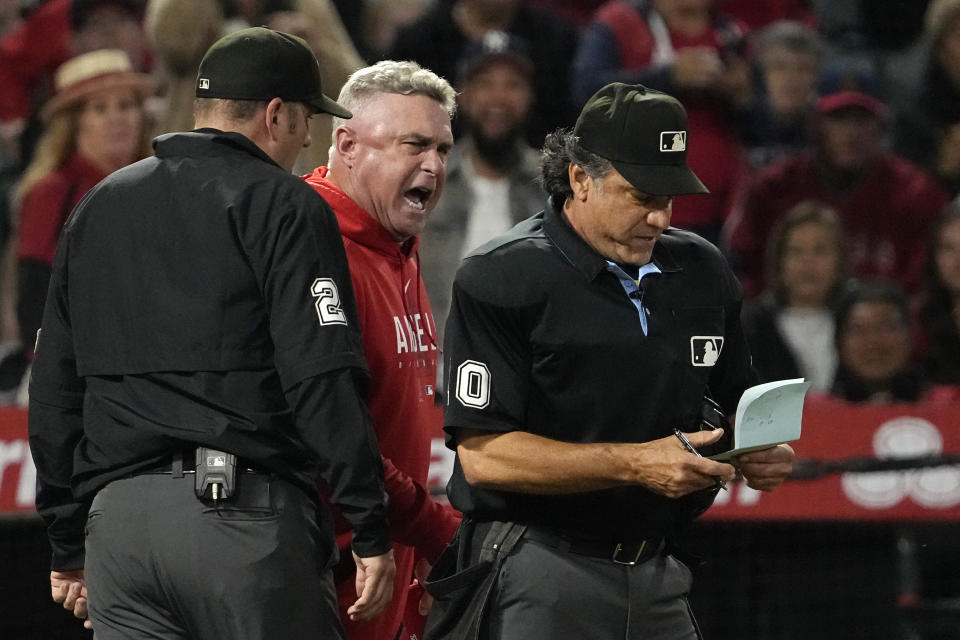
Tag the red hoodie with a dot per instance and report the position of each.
(399, 342)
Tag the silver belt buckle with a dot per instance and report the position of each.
(636, 558)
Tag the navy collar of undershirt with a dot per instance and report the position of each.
(582, 256)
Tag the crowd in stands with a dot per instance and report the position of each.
(828, 134)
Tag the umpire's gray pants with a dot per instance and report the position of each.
(163, 565)
(546, 594)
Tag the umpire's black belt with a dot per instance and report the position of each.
(186, 462)
(630, 553)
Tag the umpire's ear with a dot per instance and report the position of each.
(272, 119)
(580, 181)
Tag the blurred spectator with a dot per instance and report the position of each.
(886, 204)
(492, 172)
(940, 312)
(845, 71)
(757, 15)
(685, 48)
(577, 12)
(182, 30)
(53, 32)
(352, 15)
(438, 41)
(928, 130)
(9, 171)
(788, 61)
(790, 328)
(9, 15)
(891, 25)
(869, 25)
(874, 346)
(887, 32)
(110, 24)
(95, 123)
(382, 21)
(839, 22)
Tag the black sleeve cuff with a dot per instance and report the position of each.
(371, 540)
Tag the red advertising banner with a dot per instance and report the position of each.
(18, 476)
(832, 432)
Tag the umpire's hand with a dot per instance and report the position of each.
(374, 586)
(69, 588)
(764, 470)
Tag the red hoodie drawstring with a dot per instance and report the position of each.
(433, 338)
(427, 321)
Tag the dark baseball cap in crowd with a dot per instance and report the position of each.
(643, 133)
(262, 64)
(495, 46)
(850, 82)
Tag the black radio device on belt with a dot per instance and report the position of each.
(216, 474)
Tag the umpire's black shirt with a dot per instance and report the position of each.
(201, 296)
(542, 338)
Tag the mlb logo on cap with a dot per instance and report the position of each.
(673, 141)
(204, 83)
(643, 133)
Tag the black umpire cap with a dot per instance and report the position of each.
(263, 64)
(643, 133)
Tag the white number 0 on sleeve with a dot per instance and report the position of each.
(328, 301)
(473, 384)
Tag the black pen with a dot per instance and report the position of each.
(689, 447)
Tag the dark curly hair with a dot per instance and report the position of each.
(560, 149)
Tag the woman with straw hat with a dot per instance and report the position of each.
(94, 124)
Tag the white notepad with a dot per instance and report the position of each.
(767, 415)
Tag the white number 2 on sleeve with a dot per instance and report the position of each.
(328, 301)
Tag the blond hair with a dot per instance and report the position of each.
(59, 141)
(56, 145)
(390, 76)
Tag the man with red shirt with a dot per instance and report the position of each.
(51, 33)
(886, 204)
(689, 50)
(387, 169)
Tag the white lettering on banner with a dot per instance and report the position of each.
(27, 487)
(936, 488)
(17, 453)
(907, 437)
(879, 490)
(10, 452)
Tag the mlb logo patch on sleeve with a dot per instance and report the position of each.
(704, 350)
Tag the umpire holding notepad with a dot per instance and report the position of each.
(197, 373)
(576, 344)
